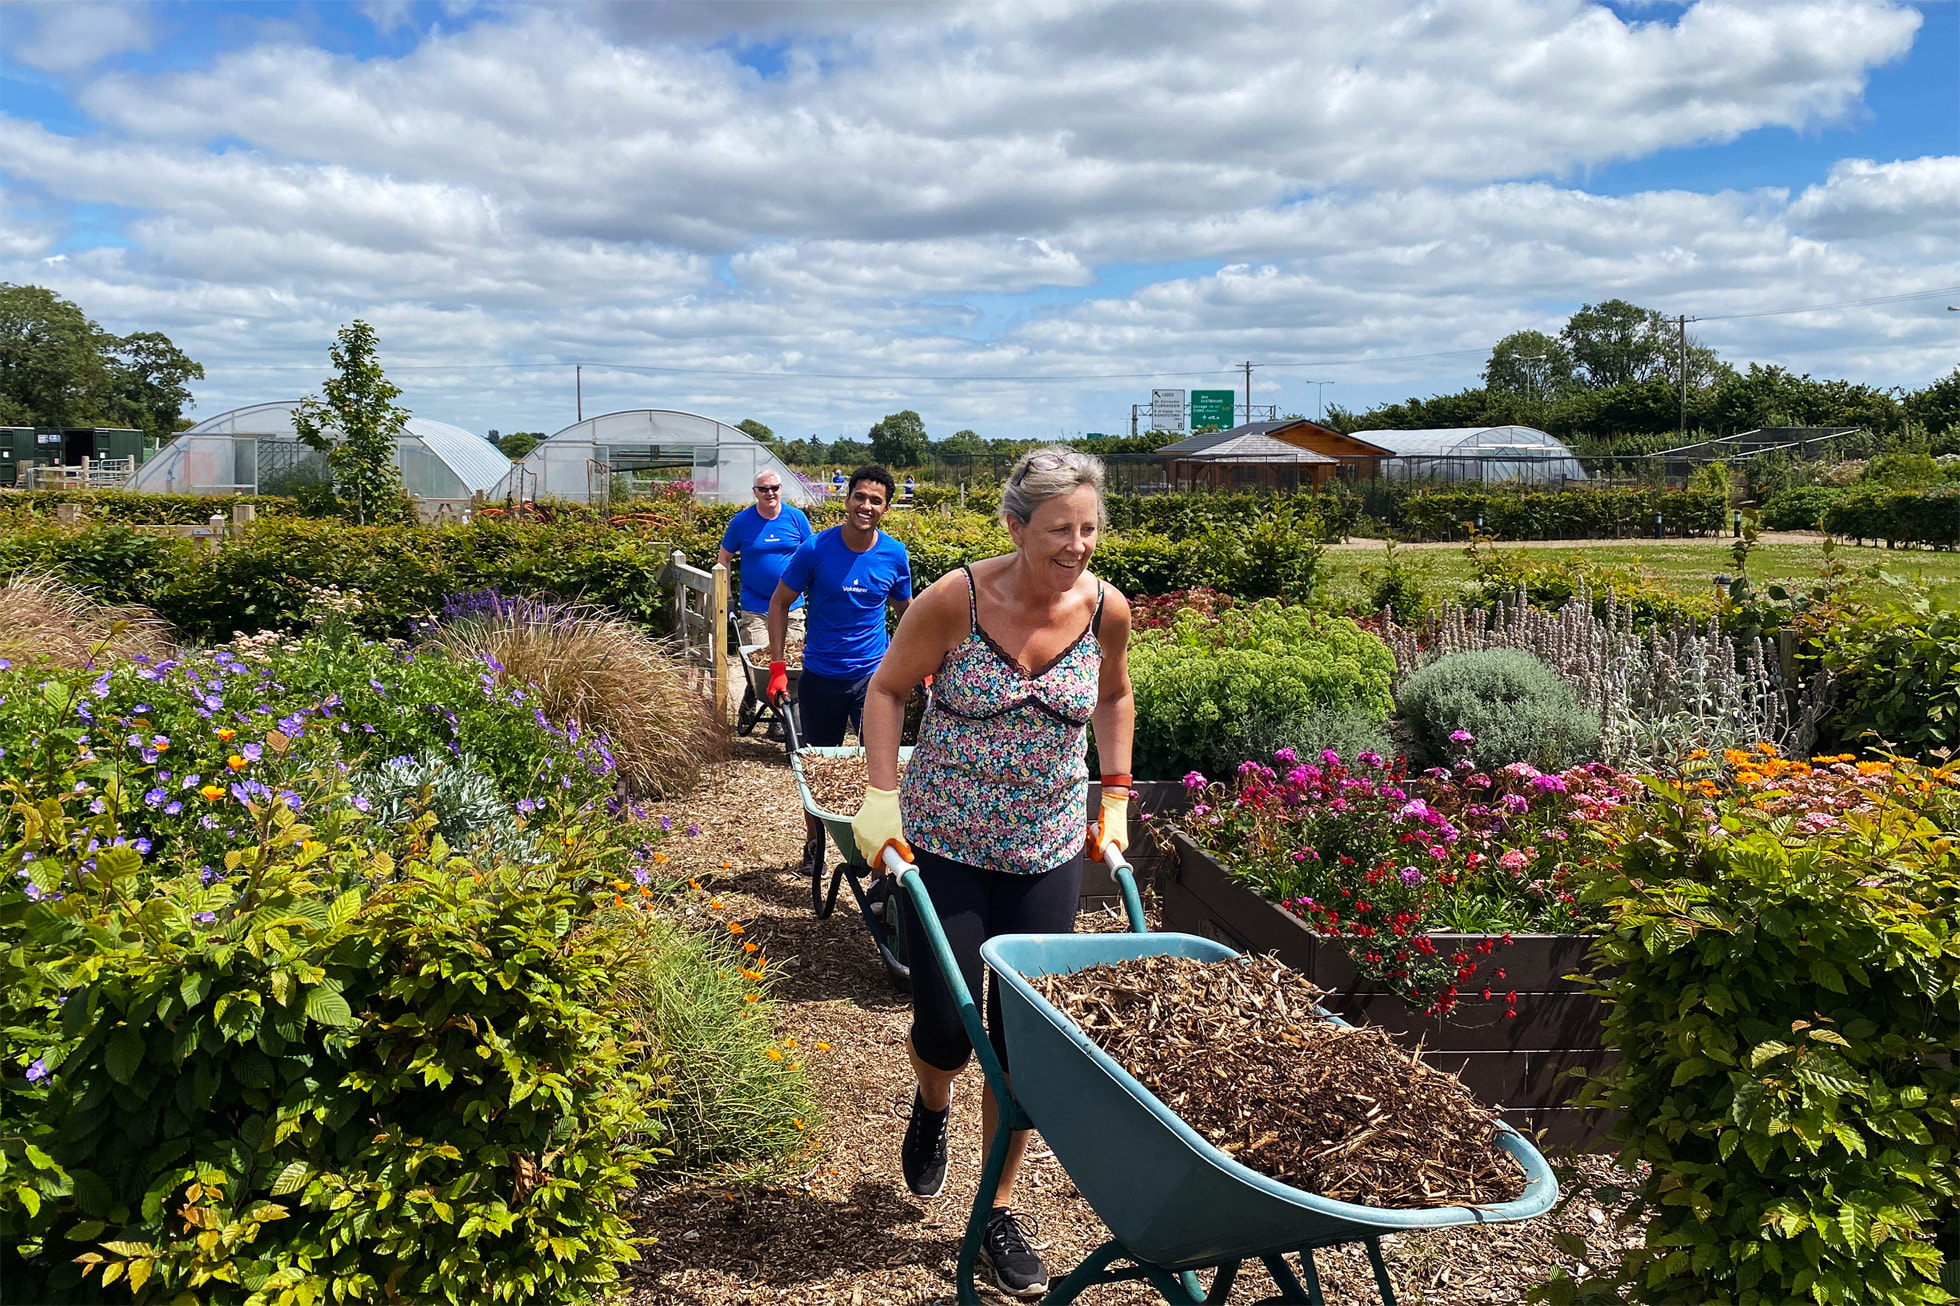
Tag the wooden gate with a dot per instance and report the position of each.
(701, 623)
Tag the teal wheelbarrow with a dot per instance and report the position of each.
(1175, 1206)
(873, 902)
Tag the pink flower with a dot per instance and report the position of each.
(1513, 860)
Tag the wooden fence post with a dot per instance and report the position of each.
(674, 565)
(718, 641)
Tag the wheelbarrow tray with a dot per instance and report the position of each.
(758, 676)
(1165, 1193)
(837, 825)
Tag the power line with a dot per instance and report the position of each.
(1819, 308)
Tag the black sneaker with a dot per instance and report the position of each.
(923, 1154)
(1005, 1254)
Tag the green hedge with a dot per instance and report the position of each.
(1564, 515)
(1898, 516)
(146, 509)
(1801, 508)
(1896, 659)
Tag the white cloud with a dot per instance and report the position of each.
(68, 35)
(973, 190)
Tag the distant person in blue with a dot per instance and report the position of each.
(764, 537)
(837, 481)
(848, 573)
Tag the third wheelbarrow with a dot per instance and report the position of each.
(1174, 1204)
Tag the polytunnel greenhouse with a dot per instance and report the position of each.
(1476, 453)
(255, 450)
(619, 454)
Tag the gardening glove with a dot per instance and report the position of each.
(877, 827)
(1112, 823)
(778, 682)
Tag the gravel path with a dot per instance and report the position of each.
(847, 1231)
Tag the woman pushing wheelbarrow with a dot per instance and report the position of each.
(1027, 650)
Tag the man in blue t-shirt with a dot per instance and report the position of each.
(848, 573)
(765, 537)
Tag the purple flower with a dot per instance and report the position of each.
(33, 891)
(526, 806)
(293, 724)
(205, 916)
(37, 1069)
(666, 824)
(378, 686)
(205, 874)
(1286, 755)
(96, 805)
(252, 752)
(142, 846)
(1547, 784)
(5, 665)
(1411, 876)
(1369, 757)
(1194, 780)
(208, 821)
(1462, 737)
(692, 829)
(289, 798)
(154, 798)
(172, 807)
(361, 804)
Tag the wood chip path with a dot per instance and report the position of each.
(845, 1232)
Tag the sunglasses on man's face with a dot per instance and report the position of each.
(768, 489)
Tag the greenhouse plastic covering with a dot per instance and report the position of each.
(1487, 453)
(586, 461)
(256, 450)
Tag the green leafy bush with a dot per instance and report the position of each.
(1516, 708)
(1895, 654)
(1784, 993)
(1563, 515)
(1550, 583)
(1898, 516)
(1800, 508)
(1215, 690)
(147, 509)
(341, 1063)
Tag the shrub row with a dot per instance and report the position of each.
(1897, 516)
(1564, 515)
(147, 509)
(1800, 508)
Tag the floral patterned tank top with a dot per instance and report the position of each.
(1000, 777)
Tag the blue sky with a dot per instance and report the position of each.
(1014, 218)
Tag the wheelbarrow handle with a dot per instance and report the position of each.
(787, 715)
(1126, 883)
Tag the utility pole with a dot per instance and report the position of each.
(1248, 390)
(1133, 419)
(578, 388)
(1681, 327)
(1319, 396)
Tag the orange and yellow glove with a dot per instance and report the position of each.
(877, 827)
(1113, 821)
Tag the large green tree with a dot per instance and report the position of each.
(58, 368)
(756, 430)
(900, 440)
(357, 427)
(1617, 343)
(1530, 364)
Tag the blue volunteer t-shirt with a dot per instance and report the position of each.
(765, 548)
(847, 593)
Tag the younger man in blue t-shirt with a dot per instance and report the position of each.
(848, 574)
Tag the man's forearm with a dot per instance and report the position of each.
(778, 627)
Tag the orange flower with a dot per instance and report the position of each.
(789, 1042)
(620, 885)
(823, 1047)
(212, 793)
(227, 735)
(645, 892)
(715, 903)
(661, 857)
(750, 947)
(750, 997)
(236, 763)
(775, 1055)
(735, 927)
(755, 975)
(618, 901)
(724, 866)
(793, 1120)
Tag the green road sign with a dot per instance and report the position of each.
(1211, 408)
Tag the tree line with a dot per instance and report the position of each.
(1611, 382)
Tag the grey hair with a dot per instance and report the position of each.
(1028, 488)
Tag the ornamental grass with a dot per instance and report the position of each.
(48, 621)
(596, 672)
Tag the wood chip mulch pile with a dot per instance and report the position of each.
(837, 783)
(792, 655)
(1238, 1051)
(839, 1228)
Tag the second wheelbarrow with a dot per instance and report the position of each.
(1174, 1204)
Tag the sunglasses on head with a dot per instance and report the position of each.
(1047, 462)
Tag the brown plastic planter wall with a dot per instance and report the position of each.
(1517, 1064)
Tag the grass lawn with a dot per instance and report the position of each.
(1688, 567)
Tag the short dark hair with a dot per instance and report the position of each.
(873, 472)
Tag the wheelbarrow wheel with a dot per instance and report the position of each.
(750, 712)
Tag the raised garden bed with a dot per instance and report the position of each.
(1518, 1063)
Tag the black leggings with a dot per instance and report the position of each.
(973, 906)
